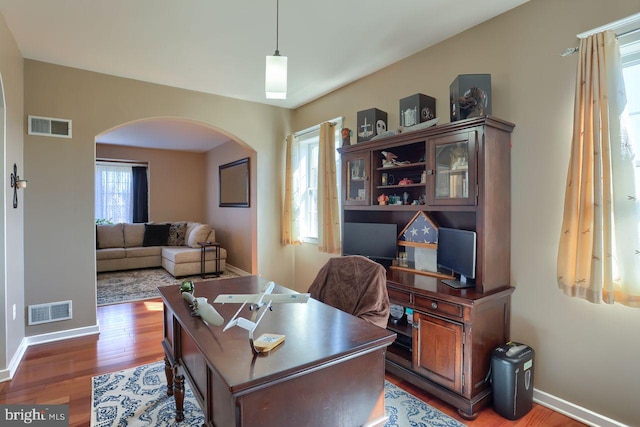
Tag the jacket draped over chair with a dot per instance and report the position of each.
(356, 285)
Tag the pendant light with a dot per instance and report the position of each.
(275, 82)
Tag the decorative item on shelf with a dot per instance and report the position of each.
(470, 96)
(405, 181)
(383, 199)
(416, 109)
(371, 122)
(423, 177)
(16, 183)
(420, 126)
(346, 136)
(389, 160)
(422, 199)
(420, 238)
(394, 200)
(388, 179)
(459, 158)
(405, 198)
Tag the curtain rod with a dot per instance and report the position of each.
(633, 21)
(316, 127)
(123, 162)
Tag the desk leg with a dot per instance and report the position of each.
(179, 396)
(168, 372)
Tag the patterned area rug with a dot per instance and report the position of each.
(138, 397)
(135, 285)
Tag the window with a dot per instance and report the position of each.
(306, 179)
(121, 192)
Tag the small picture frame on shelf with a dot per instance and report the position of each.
(361, 193)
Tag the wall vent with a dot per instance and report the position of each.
(48, 126)
(50, 312)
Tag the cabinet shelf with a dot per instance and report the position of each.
(418, 184)
(403, 166)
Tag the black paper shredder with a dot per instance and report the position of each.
(512, 379)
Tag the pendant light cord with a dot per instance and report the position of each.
(277, 25)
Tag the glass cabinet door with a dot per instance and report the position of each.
(452, 170)
(356, 174)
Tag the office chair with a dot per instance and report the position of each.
(356, 285)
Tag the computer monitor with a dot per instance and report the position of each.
(376, 241)
(457, 254)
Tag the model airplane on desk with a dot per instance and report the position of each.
(256, 302)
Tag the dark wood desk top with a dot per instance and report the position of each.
(316, 334)
(433, 287)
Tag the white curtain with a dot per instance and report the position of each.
(598, 255)
(114, 193)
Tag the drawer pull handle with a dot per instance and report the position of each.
(434, 305)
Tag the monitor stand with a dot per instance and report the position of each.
(458, 284)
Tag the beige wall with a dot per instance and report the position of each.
(585, 353)
(176, 180)
(12, 233)
(235, 226)
(59, 229)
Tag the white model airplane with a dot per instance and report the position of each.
(257, 301)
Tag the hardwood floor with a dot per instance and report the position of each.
(130, 335)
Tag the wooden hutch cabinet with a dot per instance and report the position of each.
(459, 175)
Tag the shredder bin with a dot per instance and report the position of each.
(512, 379)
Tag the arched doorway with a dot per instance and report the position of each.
(183, 157)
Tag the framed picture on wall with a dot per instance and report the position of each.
(234, 184)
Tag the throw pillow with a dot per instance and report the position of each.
(110, 236)
(176, 234)
(198, 234)
(156, 234)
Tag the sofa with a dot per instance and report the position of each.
(173, 246)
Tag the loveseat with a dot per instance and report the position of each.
(173, 246)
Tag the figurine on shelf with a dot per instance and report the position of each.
(383, 199)
(389, 159)
(346, 136)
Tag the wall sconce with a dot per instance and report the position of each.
(16, 183)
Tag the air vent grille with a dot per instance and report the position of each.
(48, 126)
(50, 312)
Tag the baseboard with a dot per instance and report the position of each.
(63, 335)
(7, 374)
(236, 270)
(574, 411)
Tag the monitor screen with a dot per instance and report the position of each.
(457, 251)
(373, 240)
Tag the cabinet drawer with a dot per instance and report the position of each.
(436, 306)
(399, 296)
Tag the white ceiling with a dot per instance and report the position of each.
(219, 47)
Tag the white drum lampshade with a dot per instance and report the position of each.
(275, 82)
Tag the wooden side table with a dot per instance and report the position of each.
(203, 252)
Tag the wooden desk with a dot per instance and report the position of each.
(328, 372)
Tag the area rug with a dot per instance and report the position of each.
(136, 285)
(138, 397)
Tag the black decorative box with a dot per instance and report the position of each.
(470, 96)
(416, 109)
(371, 122)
